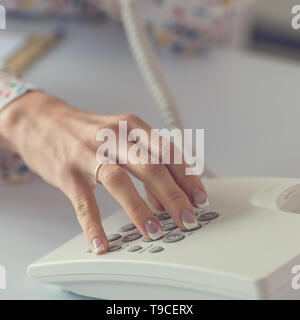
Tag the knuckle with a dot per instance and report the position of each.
(79, 147)
(90, 229)
(137, 209)
(107, 127)
(68, 170)
(82, 208)
(129, 117)
(184, 178)
(113, 175)
(175, 196)
(154, 168)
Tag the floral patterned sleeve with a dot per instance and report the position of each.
(11, 87)
(12, 168)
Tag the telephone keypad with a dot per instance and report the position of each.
(171, 235)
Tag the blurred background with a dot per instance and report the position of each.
(232, 65)
(185, 28)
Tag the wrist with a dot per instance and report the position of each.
(14, 118)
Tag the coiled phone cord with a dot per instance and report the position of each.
(148, 64)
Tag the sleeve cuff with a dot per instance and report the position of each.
(11, 88)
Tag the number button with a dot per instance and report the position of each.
(193, 229)
(156, 249)
(114, 248)
(147, 240)
(163, 216)
(127, 227)
(175, 237)
(132, 237)
(134, 248)
(169, 226)
(113, 237)
(208, 216)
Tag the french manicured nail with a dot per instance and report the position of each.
(200, 198)
(188, 220)
(153, 230)
(98, 245)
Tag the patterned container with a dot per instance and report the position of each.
(192, 26)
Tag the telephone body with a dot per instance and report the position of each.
(245, 247)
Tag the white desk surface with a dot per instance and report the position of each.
(247, 104)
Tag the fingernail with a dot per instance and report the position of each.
(188, 220)
(153, 230)
(98, 245)
(200, 198)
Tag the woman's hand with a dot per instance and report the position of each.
(58, 142)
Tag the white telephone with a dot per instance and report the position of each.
(237, 251)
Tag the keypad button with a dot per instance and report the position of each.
(199, 212)
(134, 248)
(208, 216)
(193, 229)
(175, 237)
(150, 240)
(147, 240)
(127, 227)
(113, 237)
(169, 226)
(132, 237)
(156, 249)
(114, 248)
(163, 216)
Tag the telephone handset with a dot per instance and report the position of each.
(244, 247)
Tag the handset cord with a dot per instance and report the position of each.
(148, 64)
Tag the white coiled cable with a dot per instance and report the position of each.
(149, 67)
